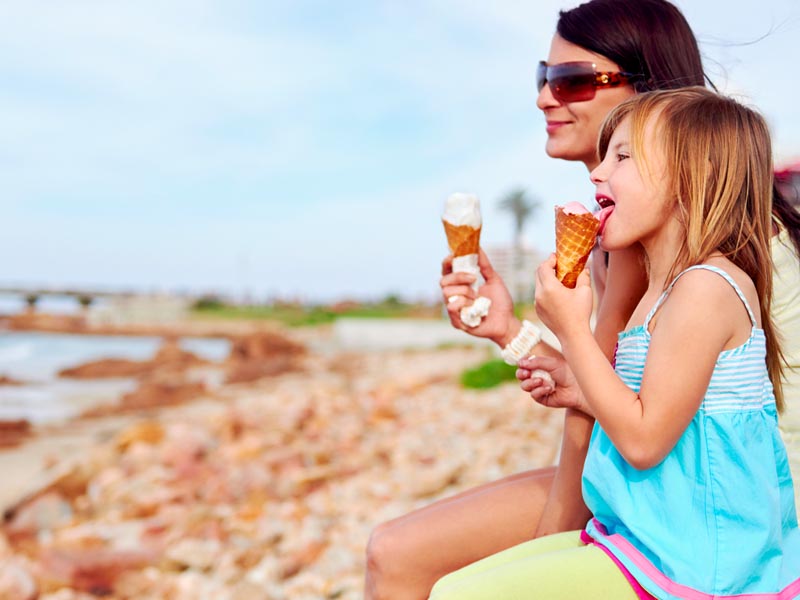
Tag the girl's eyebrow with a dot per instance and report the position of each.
(619, 143)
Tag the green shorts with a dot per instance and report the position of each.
(552, 567)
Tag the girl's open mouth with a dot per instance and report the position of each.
(606, 208)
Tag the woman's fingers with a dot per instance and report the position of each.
(457, 279)
(457, 291)
(447, 264)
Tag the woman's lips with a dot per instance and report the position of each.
(555, 125)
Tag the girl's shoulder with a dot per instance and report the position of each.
(711, 287)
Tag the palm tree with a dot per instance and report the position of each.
(521, 208)
(31, 299)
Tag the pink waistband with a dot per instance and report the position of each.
(666, 584)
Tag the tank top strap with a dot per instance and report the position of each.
(711, 268)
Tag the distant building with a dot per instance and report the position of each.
(137, 309)
(519, 278)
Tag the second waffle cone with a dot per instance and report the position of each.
(575, 238)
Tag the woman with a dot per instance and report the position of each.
(672, 416)
(650, 42)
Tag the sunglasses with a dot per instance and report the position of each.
(577, 81)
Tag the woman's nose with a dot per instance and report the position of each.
(545, 98)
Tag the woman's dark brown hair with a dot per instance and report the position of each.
(648, 37)
(652, 39)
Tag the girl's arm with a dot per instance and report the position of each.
(626, 272)
(685, 344)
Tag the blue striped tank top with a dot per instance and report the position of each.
(716, 518)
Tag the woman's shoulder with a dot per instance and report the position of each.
(784, 253)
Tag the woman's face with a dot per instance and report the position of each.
(573, 127)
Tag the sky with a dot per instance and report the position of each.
(300, 149)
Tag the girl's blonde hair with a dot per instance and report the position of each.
(719, 168)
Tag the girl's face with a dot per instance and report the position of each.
(573, 127)
(635, 205)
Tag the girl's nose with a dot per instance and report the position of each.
(598, 174)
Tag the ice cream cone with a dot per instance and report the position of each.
(462, 239)
(575, 238)
(462, 224)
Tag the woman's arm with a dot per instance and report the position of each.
(625, 282)
(565, 509)
(500, 325)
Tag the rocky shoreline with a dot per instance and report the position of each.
(266, 484)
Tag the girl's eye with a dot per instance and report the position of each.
(621, 157)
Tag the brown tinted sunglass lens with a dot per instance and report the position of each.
(576, 87)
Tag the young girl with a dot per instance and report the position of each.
(686, 474)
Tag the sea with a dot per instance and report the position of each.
(35, 358)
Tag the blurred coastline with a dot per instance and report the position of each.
(210, 456)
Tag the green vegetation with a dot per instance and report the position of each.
(487, 375)
(295, 314)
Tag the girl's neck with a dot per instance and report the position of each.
(660, 251)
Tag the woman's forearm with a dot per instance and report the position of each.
(626, 282)
(565, 509)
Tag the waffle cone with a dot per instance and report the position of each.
(462, 239)
(575, 238)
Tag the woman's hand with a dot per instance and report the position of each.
(562, 310)
(562, 392)
(500, 325)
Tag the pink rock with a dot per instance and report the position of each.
(16, 581)
(93, 570)
(46, 512)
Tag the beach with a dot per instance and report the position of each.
(261, 485)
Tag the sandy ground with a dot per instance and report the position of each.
(267, 489)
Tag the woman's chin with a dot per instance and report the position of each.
(565, 151)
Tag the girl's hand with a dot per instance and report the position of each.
(562, 310)
(500, 325)
(564, 392)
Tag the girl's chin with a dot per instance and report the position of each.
(607, 244)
